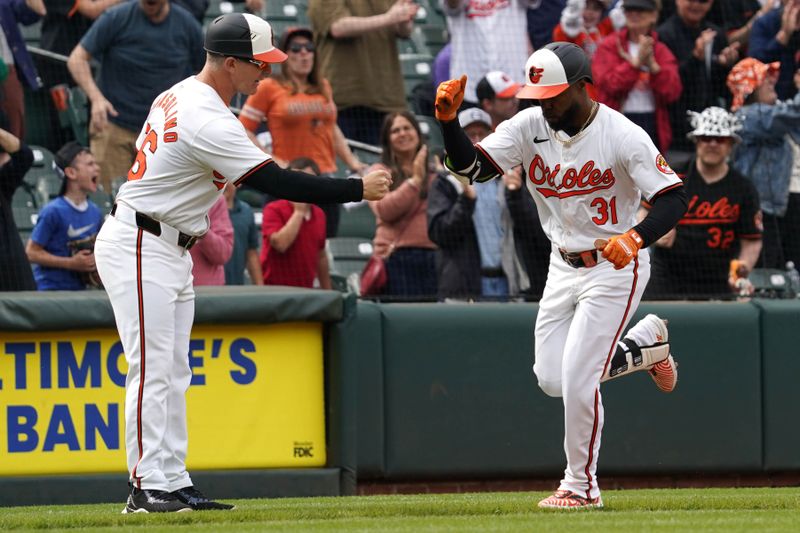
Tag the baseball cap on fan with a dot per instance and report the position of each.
(474, 115)
(242, 35)
(646, 5)
(496, 84)
(64, 158)
(550, 70)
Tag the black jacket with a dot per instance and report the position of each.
(702, 87)
(450, 226)
(16, 274)
(458, 263)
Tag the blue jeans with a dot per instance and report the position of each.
(494, 286)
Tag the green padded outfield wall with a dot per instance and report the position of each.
(461, 399)
(712, 421)
(780, 323)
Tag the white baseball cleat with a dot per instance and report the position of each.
(664, 373)
(568, 500)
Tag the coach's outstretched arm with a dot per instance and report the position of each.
(298, 186)
(463, 158)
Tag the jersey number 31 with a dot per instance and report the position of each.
(605, 209)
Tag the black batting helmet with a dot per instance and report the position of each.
(242, 35)
(553, 68)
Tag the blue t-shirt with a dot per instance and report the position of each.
(60, 229)
(140, 59)
(245, 237)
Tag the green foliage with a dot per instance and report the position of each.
(725, 510)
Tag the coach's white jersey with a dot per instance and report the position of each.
(189, 148)
(589, 189)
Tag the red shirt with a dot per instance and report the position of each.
(297, 266)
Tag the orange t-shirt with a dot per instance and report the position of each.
(301, 124)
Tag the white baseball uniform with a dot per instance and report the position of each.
(190, 147)
(586, 190)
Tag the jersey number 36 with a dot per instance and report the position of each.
(150, 144)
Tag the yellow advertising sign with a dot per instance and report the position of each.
(256, 399)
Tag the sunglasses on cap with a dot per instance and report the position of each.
(296, 47)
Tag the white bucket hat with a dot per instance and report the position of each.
(714, 122)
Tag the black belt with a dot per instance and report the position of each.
(151, 225)
(493, 273)
(586, 258)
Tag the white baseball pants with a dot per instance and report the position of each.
(582, 315)
(149, 283)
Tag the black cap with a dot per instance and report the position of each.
(647, 5)
(294, 31)
(553, 68)
(65, 157)
(242, 35)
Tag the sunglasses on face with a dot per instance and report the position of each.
(700, 1)
(710, 139)
(296, 47)
(262, 65)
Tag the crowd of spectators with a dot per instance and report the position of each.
(714, 83)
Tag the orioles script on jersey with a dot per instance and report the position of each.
(705, 212)
(574, 183)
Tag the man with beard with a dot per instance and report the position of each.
(587, 166)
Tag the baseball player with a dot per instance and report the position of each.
(586, 166)
(190, 148)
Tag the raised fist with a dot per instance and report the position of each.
(376, 184)
(449, 96)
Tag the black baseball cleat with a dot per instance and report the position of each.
(198, 501)
(154, 501)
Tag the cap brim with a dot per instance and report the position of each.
(272, 56)
(539, 93)
(509, 92)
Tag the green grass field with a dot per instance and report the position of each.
(727, 510)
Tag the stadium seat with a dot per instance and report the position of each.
(295, 11)
(350, 247)
(220, 7)
(42, 176)
(26, 196)
(348, 257)
(76, 115)
(32, 34)
(357, 220)
(103, 200)
(25, 217)
(416, 66)
(772, 283)
(24, 236)
(432, 132)
(436, 37)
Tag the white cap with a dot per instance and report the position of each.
(473, 115)
(553, 68)
(497, 84)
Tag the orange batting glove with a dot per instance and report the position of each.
(620, 249)
(449, 96)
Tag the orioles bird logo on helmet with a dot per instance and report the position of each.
(535, 74)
